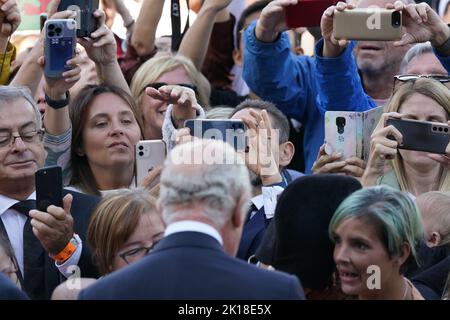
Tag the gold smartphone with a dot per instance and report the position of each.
(368, 24)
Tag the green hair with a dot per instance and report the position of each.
(393, 212)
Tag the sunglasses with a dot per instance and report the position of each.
(442, 78)
(157, 85)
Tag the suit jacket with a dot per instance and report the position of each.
(8, 291)
(193, 265)
(82, 207)
(254, 228)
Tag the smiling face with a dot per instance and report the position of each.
(149, 231)
(423, 108)
(154, 110)
(110, 132)
(19, 162)
(357, 247)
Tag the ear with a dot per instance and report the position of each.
(434, 240)
(237, 57)
(401, 259)
(237, 220)
(287, 151)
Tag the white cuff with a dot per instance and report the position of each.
(72, 261)
(270, 198)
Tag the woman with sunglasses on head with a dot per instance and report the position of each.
(412, 171)
(122, 230)
(164, 70)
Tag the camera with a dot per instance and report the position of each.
(396, 19)
(340, 123)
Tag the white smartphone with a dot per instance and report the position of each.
(149, 154)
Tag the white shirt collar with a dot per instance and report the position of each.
(258, 201)
(6, 203)
(196, 226)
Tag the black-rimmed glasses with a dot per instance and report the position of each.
(136, 253)
(8, 139)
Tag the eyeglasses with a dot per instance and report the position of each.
(157, 85)
(135, 254)
(442, 78)
(8, 140)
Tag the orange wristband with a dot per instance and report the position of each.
(65, 253)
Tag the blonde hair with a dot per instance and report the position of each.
(114, 221)
(434, 207)
(154, 68)
(431, 89)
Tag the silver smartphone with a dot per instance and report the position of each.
(149, 154)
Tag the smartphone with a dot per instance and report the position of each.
(42, 18)
(229, 130)
(86, 22)
(306, 13)
(149, 154)
(341, 133)
(49, 187)
(60, 43)
(368, 24)
(424, 136)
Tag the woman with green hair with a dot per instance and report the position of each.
(375, 231)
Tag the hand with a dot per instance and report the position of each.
(53, 228)
(56, 88)
(260, 158)
(272, 20)
(183, 135)
(442, 159)
(215, 5)
(182, 98)
(10, 17)
(332, 47)
(420, 23)
(101, 47)
(325, 163)
(381, 147)
(151, 181)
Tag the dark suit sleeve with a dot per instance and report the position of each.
(295, 289)
(8, 291)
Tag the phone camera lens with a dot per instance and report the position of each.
(141, 153)
(434, 129)
(445, 129)
(58, 30)
(51, 34)
(141, 147)
(51, 26)
(396, 19)
(440, 129)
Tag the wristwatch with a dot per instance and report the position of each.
(57, 104)
(68, 251)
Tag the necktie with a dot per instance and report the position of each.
(33, 254)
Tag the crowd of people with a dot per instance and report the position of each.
(285, 219)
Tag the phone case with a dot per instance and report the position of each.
(60, 44)
(149, 154)
(86, 22)
(49, 187)
(368, 24)
(348, 132)
(230, 131)
(306, 13)
(424, 136)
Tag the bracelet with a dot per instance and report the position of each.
(68, 251)
(444, 49)
(57, 104)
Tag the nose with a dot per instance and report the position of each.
(116, 128)
(18, 145)
(341, 254)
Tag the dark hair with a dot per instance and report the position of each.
(82, 176)
(279, 120)
(251, 9)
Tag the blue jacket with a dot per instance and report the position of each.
(194, 266)
(445, 61)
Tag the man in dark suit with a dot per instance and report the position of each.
(266, 185)
(47, 245)
(203, 205)
(9, 291)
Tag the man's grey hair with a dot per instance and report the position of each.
(217, 187)
(9, 94)
(418, 49)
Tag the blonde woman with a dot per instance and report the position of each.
(412, 171)
(167, 70)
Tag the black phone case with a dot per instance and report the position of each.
(49, 187)
(422, 135)
(87, 22)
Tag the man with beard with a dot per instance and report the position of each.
(269, 145)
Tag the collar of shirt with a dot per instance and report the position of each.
(6, 203)
(196, 226)
(258, 201)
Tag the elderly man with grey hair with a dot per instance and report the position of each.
(205, 190)
(39, 239)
